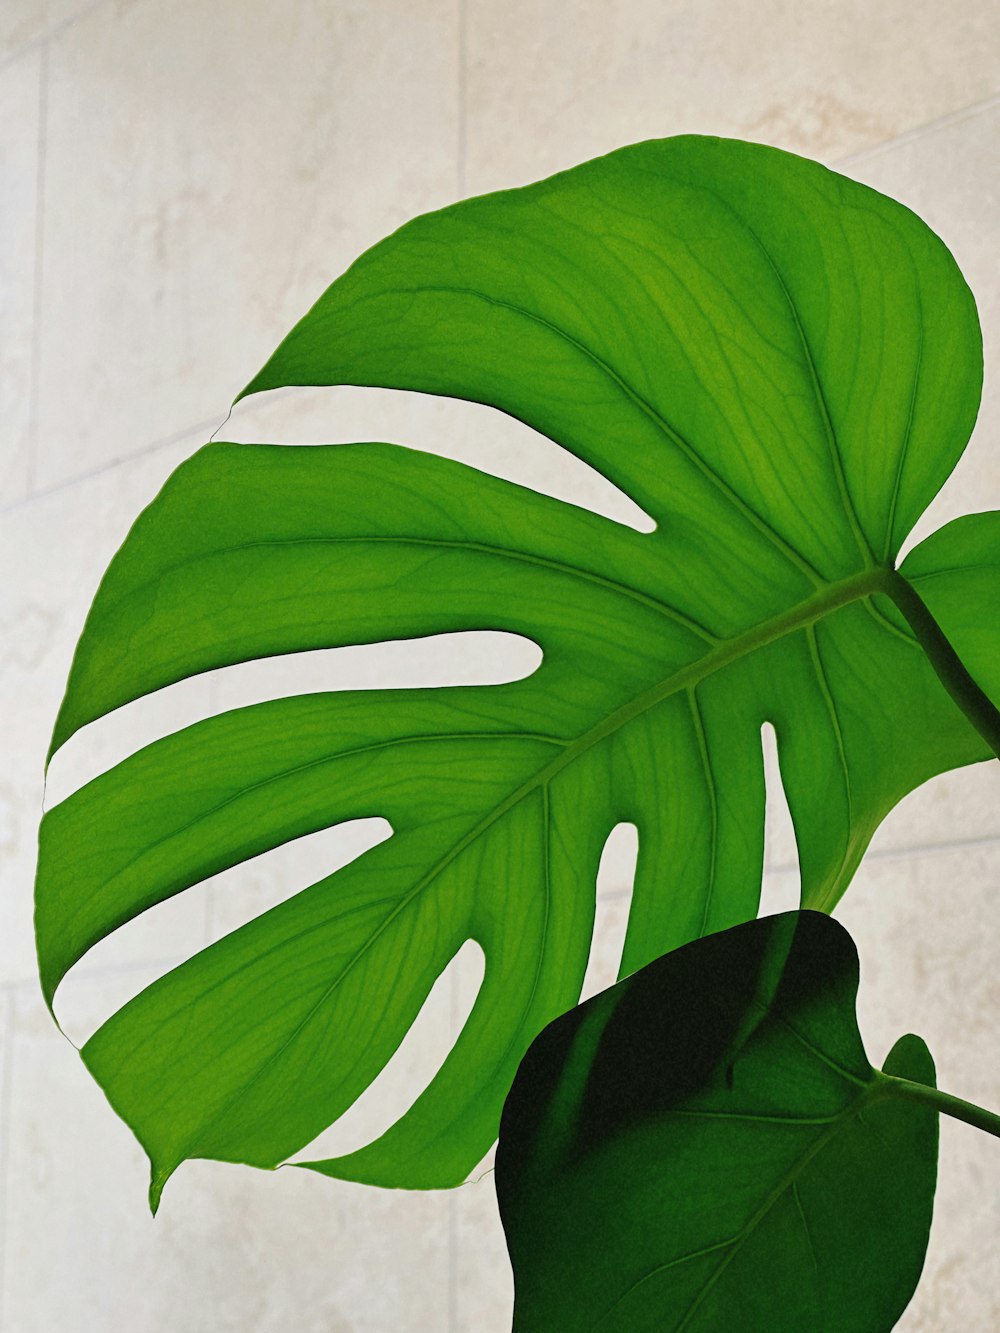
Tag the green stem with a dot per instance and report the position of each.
(974, 703)
(944, 1102)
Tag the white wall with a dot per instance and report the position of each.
(179, 181)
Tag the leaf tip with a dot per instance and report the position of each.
(158, 1177)
(55, 742)
(253, 386)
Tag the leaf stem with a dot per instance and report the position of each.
(944, 1102)
(971, 699)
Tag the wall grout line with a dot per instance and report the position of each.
(36, 289)
(51, 34)
(145, 451)
(463, 80)
(453, 1261)
(917, 132)
(986, 840)
(5, 1105)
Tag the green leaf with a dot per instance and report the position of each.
(956, 573)
(781, 366)
(705, 1146)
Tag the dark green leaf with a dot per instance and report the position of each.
(705, 1147)
(782, 366)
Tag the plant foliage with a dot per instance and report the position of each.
(782, 367)
(705, 1146)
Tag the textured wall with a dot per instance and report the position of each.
(178, 181)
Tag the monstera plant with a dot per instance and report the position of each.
(781, 367)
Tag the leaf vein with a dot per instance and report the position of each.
(484, 548)
(735, 500)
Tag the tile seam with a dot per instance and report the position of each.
(146, 451)
(5, 1105)
(38, 273)
(984, 841)
(18, 52)
(462, 135)
(452, 1263)
(917, 132)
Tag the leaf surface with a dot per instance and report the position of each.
(705, 1146)
(782, 367)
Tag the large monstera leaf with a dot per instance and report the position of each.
(781, 366)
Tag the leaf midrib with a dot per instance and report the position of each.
(838, 595)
